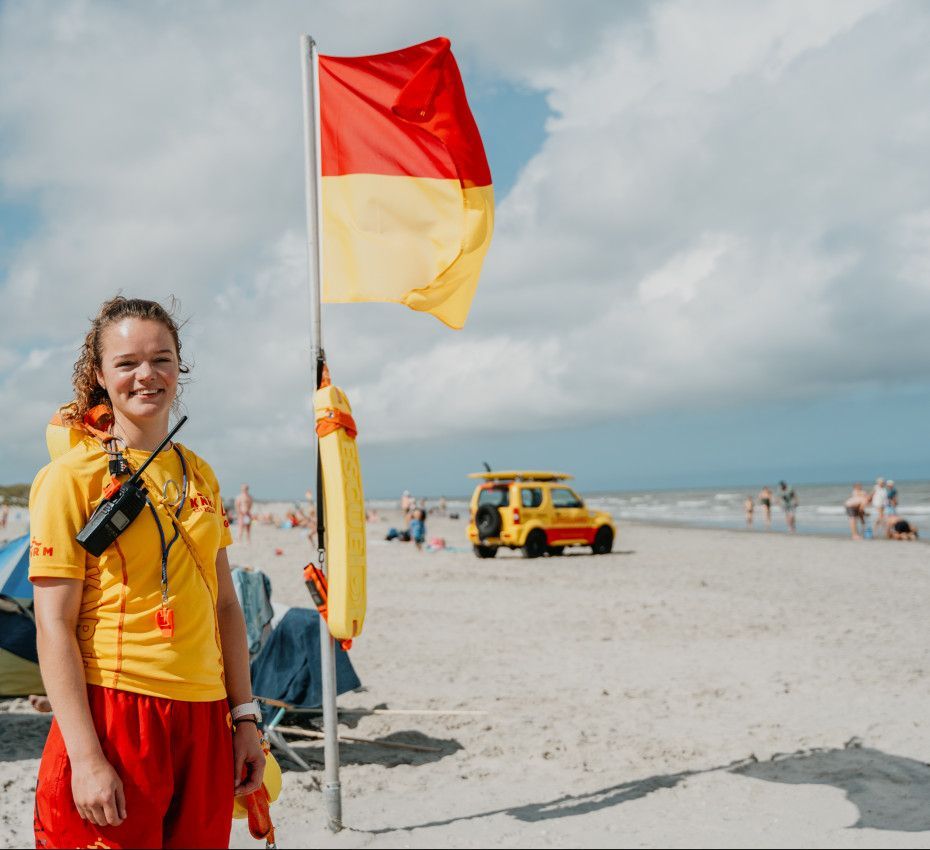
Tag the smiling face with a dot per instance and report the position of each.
(139, 369)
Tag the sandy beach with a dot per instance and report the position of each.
(694, 688)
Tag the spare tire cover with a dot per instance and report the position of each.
(487, 521)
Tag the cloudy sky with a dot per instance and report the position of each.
(711, 262)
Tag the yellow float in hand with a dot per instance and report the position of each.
(344, 513)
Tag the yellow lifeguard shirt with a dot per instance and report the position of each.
(121, 644)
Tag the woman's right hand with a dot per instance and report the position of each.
(98, 792)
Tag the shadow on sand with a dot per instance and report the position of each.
(22, 736)
(891, 792)
(387, 751)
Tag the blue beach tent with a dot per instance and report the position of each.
(14, 569)
(19, 661)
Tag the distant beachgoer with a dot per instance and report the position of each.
(406, 502)
(4, 512)
(765, 499)
(442, 506)
(40, 703)
(310, 514)
(891, 508)
(417, 527)
(749, 506)
(244, 514)
(855, 510)
(900, 529)
(879, 503)
(789, 500)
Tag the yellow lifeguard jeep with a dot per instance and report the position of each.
(535, 512)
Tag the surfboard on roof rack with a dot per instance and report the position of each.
(521, 475)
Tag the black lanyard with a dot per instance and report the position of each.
(165, 545)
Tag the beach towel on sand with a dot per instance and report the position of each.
(288, 667)
(253, 590)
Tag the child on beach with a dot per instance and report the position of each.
(143, 649)
(749, 507)
(900, 529)
(418, 527)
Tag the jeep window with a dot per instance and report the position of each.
(498, 497)
(531, 497)
(562, 497)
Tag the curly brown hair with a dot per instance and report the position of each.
(87, 391)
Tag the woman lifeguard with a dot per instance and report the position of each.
(143, 650)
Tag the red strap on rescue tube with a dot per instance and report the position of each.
(334, 420)
(96, 422)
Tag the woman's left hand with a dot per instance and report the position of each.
(248, 759)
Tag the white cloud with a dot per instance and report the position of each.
(680, 275)
(730, 205)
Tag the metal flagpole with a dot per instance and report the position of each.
(332, 790)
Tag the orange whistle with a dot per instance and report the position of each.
(165, 620)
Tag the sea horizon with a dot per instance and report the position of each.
(820, 509)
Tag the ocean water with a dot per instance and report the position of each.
(820, 510)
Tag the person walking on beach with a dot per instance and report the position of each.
(244, 514)
(406, 502)
(891, 493)
(765, 499)
(855, 510)
(749, 507)
(4, 512)
(143, 649)
(789, 500)
(879, 503)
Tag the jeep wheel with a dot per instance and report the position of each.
(487, 521)
(535, 544)
(603, 541)
(555, 551)
(485, 551)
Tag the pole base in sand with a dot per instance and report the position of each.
(332, 800)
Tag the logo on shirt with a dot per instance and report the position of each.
(202, 504)
(38, 549)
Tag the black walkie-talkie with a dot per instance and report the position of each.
(114, 515)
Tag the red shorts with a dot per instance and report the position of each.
(175, 760)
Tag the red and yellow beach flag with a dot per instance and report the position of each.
(408, 205)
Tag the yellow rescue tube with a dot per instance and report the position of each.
(344, 515)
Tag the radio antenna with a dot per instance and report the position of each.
(153, 455)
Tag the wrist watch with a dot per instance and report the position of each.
(247, 711)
